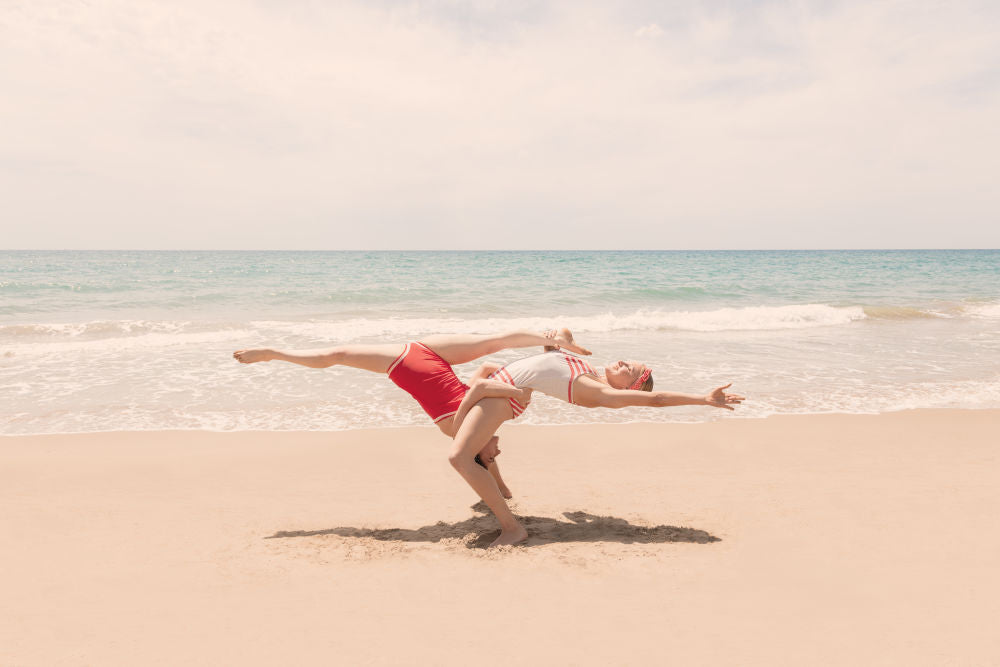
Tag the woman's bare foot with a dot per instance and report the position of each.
(252, 356)
(510, 537)
(564, 339)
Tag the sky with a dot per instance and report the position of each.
(129, 124)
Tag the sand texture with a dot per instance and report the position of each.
(814, 540)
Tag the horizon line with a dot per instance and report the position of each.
(639, 250)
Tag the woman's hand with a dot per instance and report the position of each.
(717, 398)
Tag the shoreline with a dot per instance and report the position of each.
(433, 429)
(751, 541)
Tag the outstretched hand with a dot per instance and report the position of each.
(718, 398)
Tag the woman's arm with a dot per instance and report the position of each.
(589, 393)
(485, 370)
(481, 389)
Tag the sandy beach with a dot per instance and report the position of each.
(797, 540)
(254, 250)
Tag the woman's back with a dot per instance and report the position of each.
(551, 373)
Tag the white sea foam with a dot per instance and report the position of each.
(112, 341)
(986, 311)
(762, 318)
(390, 408)
(134, 334)
(151, 375)
(723, 319)
(119, 344)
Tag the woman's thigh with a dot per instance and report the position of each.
(447, 426)
(480, 425)
(374, 358)
(463, 348)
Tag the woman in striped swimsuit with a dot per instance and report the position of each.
(563, 376)
(424, 370)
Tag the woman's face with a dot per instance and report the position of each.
(491, 451)
(622, 374)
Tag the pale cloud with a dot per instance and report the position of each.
(651, 31)
(498, 125)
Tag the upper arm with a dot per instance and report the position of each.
(493, 389)
(623, 398)
(589, 393)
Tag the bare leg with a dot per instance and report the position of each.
(447, 427)
(374, 358)
(463, 348)
(454, 349)
(483, 421)
(504, 491)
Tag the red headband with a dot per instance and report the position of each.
(642, 379)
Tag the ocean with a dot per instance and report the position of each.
(142, 340)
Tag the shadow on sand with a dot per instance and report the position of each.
(580, 527)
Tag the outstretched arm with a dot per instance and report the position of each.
(590, 393)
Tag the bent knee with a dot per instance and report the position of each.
(459, 459)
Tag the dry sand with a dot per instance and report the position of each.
(817, 540)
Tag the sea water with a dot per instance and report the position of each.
(115, 340)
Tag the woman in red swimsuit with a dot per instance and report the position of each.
(424, 370)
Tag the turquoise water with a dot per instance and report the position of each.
(142, 340)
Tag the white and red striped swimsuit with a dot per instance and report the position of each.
(551, 373)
